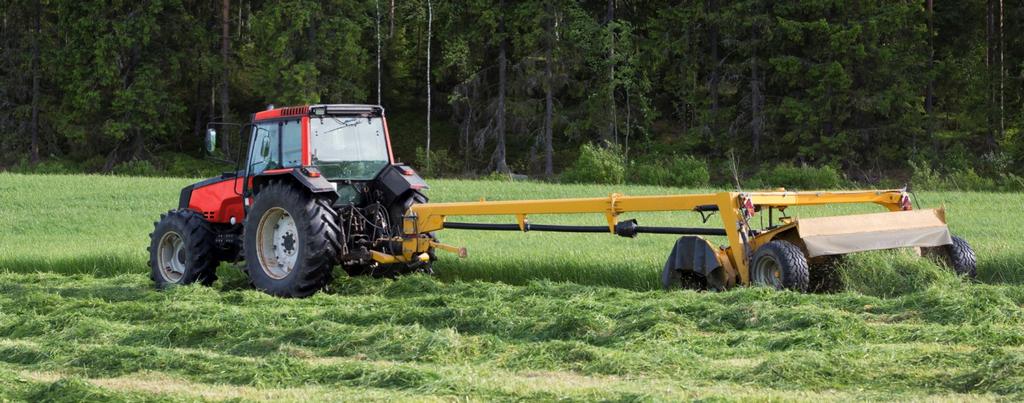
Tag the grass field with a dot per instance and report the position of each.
(527, 317)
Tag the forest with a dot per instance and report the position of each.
(871, 90)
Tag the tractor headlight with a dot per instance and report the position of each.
(319, 111)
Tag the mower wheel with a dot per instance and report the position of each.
(182, 250)
(958, 256)
(292, 241)
(781, 265)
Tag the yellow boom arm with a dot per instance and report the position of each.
(733, 207)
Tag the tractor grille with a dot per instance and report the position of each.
(208, 215)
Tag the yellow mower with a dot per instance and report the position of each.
(780, 255)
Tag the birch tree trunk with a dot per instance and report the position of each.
(611, 72)
(34, 147)
(756, 106)
(500, 164)
(430, 22)
(929, 97)
(376, 5)
(1002, 74)
(549, 104)
(225, 44)
(712, 6)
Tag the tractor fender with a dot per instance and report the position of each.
(787, 232)
(399, 182)
(299, 175)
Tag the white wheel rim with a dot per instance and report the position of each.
(768, 272)
(277, 243)
(171, 257)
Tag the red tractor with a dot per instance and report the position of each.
(319, 188)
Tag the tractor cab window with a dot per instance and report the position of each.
(265, 148)
(291, 143)
(276, 144)
(348, 147)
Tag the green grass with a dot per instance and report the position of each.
(533, 316)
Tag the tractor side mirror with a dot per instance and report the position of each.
(211, 140)
(265, 147)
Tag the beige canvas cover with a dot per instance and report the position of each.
(864, 232)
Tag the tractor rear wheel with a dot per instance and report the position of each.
(291, 241)
(781, 265)
(181, 250)
(958, 256)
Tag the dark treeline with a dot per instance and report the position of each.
(867, 87)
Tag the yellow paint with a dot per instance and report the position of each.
(461, 252)
(384, 258)
(422, 219)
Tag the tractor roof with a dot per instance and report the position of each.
(331, 109)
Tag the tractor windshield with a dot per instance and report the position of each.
(348, 147)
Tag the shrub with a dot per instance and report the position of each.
(441, 162)
(497, 176)
(685, 171)
(597, 165)
(967, 179)
(135, 168)
(46, 166)
(94, 163)
(800, 177)
(1011, 183)
(924, 177)
(184, 165)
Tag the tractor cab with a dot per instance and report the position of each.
(342, 142)
(342, 149)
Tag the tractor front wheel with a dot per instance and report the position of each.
(291, 241)
(781, 265)
(181, 250)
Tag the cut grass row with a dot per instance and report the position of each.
(527, 317)
(419, 336)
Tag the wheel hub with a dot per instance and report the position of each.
(278, 240)
(171, 257)
(767, 271)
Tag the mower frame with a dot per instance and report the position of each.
(735, 209)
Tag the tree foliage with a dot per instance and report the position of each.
(862, 86)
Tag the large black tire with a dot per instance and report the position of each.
(315, 245)
(182, 250)
(781, 265)
(957, 256)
